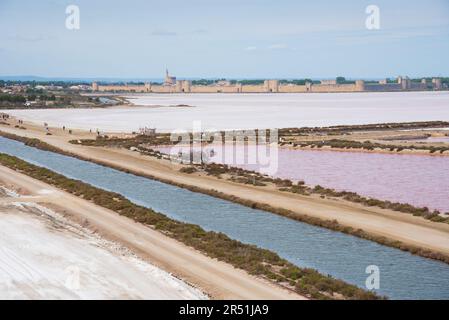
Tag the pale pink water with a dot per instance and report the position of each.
(435, 139)
(416, 179)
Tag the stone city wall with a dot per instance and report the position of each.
(272, 86)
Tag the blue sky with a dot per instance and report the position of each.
(233, 38)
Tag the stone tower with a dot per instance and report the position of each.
(186, 86)
(271, 86)
(437, 84)
(360, 85)
(406, 83)
(169, 80)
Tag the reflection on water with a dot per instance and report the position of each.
(416, 179)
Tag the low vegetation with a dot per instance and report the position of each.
(32, 98)
(367, 145)
(12, 98)
(254, 260)
(33, 142)
(365, 127)
(127, 143)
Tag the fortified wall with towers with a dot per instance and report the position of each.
(173, 85)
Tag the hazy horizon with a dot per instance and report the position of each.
(25, 78)
(235, 40)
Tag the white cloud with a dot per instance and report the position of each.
(170, 33)
(199, 31)
(250, 48)
(278, 46)
(30, 38)
(163, 33)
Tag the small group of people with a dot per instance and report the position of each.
(63, 129)
(4, 116)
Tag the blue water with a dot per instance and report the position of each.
(402, 275)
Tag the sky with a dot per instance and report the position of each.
(224, 39)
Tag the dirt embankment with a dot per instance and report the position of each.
(395, 226)
(220, 280)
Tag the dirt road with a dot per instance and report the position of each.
(218, 279)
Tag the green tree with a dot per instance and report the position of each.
(341, 80)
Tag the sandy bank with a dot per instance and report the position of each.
(218, 279)
(44, 256)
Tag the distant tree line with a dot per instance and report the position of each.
(12, 98)
(23, 99)
(41, 97)
(64, 84)
(298, 82)
(35, 91)
(342, 80)
(203, 82)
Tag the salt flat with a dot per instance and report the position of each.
(247, 111)
(44, 256)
